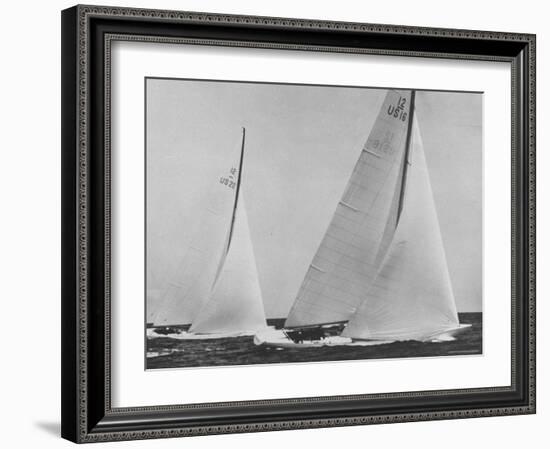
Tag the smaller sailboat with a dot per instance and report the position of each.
(380, 274)
(216, 293)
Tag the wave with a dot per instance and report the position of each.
(162, 353)
(278, 339)
(151, 334)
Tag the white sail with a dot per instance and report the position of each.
(345, 263)
(236, 304)
(191, 285)
(411, 297)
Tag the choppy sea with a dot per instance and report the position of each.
(168, 352)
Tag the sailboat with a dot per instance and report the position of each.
(216, 291)
(380, 273)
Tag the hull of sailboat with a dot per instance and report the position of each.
(448, 334)
(193, 336)
(279, 338)
(451, 334)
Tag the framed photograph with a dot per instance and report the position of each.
(283, 223)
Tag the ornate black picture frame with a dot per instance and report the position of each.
(87, 34)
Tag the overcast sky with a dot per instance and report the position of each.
(302, 143)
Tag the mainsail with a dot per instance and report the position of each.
(358, 235)
(217, 288)
(411, 297)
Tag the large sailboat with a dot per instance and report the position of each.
(380, 273)
(216, 291)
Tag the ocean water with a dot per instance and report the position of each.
(167, 352)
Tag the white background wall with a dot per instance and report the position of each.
(30, 225)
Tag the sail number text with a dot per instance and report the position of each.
(398, 110)
(229, 180)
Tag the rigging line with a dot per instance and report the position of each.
(406, 157)
(236, 192)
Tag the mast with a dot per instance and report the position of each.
(237, 191)
(406, 157)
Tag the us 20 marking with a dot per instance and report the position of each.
(229, 181)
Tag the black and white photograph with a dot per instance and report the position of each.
(280, 220)
(290, 223)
